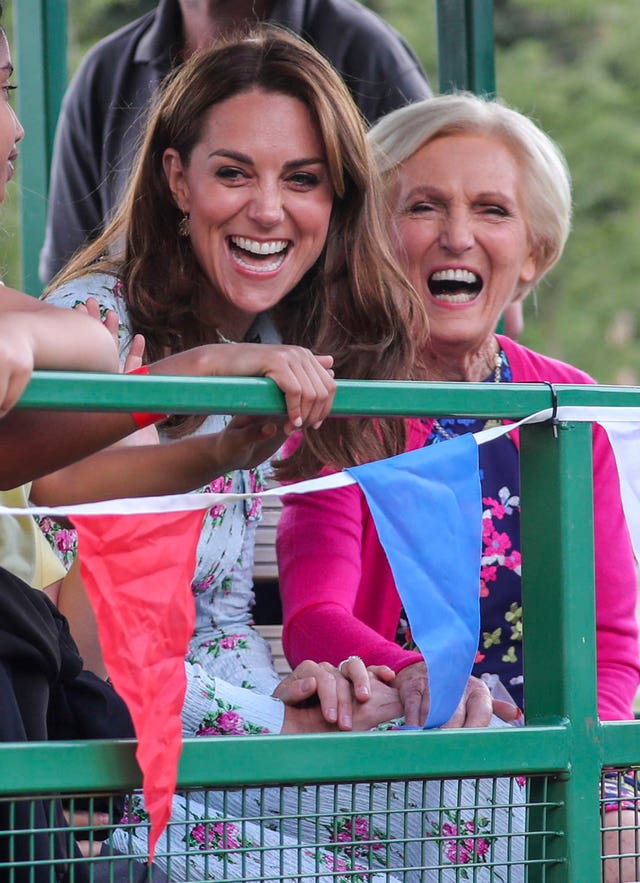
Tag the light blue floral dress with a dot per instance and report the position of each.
(224, 642)
(230, 679)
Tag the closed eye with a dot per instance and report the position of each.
(495, 210)
(421, 207)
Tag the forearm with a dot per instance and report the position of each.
(215, 707)
(329, 632)
(136, 471)
(338, 596)
(617, 686)
(36, 442)
(74, 603)
(202, 361)
(61, 340)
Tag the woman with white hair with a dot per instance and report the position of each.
(479, 210)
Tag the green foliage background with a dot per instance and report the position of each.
(575, 67)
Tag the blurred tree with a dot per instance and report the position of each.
(89, 20)
(575, 67)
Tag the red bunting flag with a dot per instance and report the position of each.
(137, 570)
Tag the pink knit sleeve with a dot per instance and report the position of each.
(616, 590)
(321, 547)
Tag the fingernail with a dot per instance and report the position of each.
(307, 684)
(332, 714)
(297, 421)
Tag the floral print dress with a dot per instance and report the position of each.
(224, 643)
(230, 679)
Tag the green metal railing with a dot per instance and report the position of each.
(562, 749)
(466, 46)
(41, 58)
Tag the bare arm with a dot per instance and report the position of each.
(36, 335)
(38, 442)
(305, 379)
(153, 470)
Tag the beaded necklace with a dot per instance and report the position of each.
(497, 377)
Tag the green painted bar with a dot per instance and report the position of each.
(83, 391)
(559, 611)
(481, 48)
(562, 736)
(620, 742)
(466, 46)
(453, 38)
(40, 49)
(43, 767)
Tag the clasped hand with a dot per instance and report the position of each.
(318, 697)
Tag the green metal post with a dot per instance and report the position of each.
(466, 57)
(41, 61)
(559, 617)
(466, 46)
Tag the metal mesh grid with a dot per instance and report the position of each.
(619, 805)
(453, 830)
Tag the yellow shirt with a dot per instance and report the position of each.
(23, 548)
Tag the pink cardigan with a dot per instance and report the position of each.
(339, 597)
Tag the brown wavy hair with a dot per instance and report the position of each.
(354, 303)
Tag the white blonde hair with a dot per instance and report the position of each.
(546, 199)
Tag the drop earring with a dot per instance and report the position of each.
(184, 226)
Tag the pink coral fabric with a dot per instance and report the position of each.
(141, 593)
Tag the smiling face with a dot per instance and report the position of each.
(259, 199)
(11, 132)
(462, 238)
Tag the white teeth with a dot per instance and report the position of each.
(251, 245)
(455, 276)
(260, 268)
(456, 298)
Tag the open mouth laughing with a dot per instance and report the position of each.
(455, 286)
(259, 257)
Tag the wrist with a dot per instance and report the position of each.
(141, 419)
(305, 720)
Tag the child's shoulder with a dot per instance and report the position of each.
(106, 288)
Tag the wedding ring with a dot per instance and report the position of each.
(348, 659)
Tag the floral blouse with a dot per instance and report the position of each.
(224, 646)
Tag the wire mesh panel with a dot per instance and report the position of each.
(426, 830)
(619, 804)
